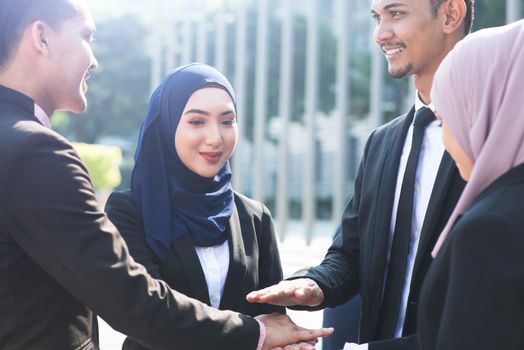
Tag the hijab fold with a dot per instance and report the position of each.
(478, 92)
(172, 199)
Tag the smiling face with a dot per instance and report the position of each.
(71, 59)
(207, 132)
(410, 37)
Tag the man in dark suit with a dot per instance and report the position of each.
(60, 257)
(384, 250)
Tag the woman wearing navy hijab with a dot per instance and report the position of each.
(181, 219)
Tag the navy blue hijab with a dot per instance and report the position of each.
(173, 200)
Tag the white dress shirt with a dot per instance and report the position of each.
(42, 116)
(431, 153)
(215, 263)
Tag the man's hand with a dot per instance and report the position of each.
(302, 291)
(283, 333)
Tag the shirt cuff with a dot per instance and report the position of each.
(262, 335)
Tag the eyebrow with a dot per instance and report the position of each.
(199, 111)
(389, 7)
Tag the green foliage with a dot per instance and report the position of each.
(102, 164)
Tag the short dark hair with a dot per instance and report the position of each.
(16, 15)
(470, 12)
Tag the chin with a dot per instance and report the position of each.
(464, 174)
(398, 73)
(80, 106)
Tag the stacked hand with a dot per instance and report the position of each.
(302, 291)
(283, 334)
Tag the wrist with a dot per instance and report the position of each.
(262, 336)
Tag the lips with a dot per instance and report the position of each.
(211, 157)
(84, 82)
(390, 50)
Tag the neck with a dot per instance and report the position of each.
(423, 85)
(17, 80)
(423, 81)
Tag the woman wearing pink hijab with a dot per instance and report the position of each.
(473, 295)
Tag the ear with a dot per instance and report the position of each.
(40, 32)
(454, 12)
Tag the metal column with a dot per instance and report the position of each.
(201, 49)
(342, 96)
(260, 100)
(220, 39)
(309, 190)
(187, 47)
(286, 74)
(513, 10)
(240, 90)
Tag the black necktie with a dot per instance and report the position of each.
(390, 309)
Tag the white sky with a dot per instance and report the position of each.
(103, 9)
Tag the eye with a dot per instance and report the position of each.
(396, 14)
(375, 18)
(89, 36)
(229, 122)
(196, 122)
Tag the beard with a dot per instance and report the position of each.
(400, 72)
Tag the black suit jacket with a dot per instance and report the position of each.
(356, 263)
(60, 257)
(473, 295)
(254, 259)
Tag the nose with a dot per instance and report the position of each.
(383, 32)
(213, 135)
(94, 62)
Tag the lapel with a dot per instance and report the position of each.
(237, 261)
(384, 203)
(185, 250)
(433, 213)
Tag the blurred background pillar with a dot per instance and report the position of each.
(240, 90)
(171, 36)
(260, 100)
(284, 111)
(220, 38)
(309, 189)
(342, 107)
(187, 39)
(513, 10)
(377, 80)
(201, 48)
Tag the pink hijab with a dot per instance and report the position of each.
(478, 91)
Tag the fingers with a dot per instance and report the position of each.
(289, 293)
(282, 332)
(282, 294)
(298, 346)
(309, 335)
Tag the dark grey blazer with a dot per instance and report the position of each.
(356, 263)
(60, 257)
(254, 259)
(473, 295)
